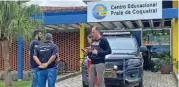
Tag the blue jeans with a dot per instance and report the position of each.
(34, 77)
(49, 74)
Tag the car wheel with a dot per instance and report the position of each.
(140, 84)
(84, 85)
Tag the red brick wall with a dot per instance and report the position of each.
(13, 55)
(1, 60)
(26, 57)
(68, 43)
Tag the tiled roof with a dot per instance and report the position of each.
(63, 9)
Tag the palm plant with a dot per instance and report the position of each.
(15, 20)
(165, 63)
(156, 65)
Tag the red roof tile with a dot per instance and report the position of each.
(63, 9)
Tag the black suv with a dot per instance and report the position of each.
(125, 65)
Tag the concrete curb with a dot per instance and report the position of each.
(175, 75)
(68, 76)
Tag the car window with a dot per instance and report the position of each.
(120, 43)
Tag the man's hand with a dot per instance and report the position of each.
(95, 51)
(43, 66)
(85, 51)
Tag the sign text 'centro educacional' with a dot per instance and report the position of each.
(123, 10)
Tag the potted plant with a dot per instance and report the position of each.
(156, 66)
(165, 64)
(145, 39)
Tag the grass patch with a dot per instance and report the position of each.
(23, 83)
(59, 76)
(18, 83)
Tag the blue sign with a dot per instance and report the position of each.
(99, 11)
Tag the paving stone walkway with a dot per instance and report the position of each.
(159, 80)
(150, 80)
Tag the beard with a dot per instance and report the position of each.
(39, 38)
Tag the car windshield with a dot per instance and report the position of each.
(122, 43)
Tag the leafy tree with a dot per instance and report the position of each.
(16, 20)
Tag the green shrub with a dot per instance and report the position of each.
(165, 60)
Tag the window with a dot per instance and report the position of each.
(120, 43)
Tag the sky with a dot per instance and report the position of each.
(69, 3)
(57, 3)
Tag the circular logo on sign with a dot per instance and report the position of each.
(99, 11)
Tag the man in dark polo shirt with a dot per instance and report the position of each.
(45, 56)
(33, 44)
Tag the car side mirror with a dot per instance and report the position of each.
(143, 49)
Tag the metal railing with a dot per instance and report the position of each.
(133, 66)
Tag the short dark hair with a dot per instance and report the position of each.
(48, 37)
(97, 29)
(36, 32)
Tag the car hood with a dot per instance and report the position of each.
(119, 56)
(124, 51)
